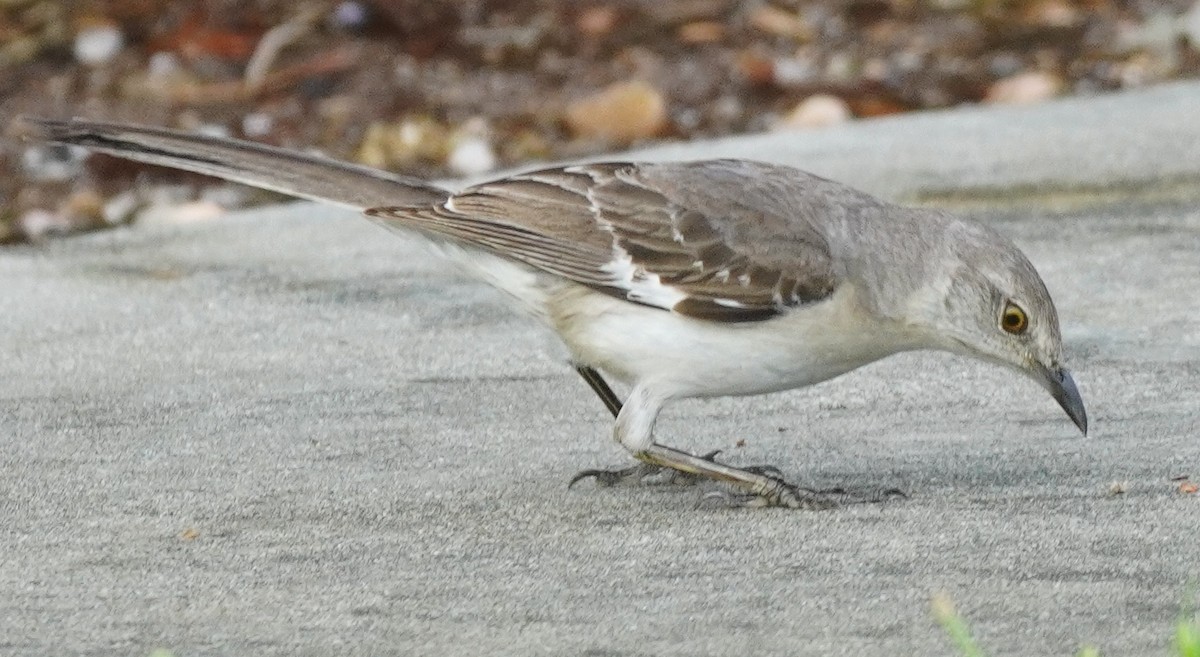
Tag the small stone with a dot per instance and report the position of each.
(1004, 64)
(97, 44)
(701, 32)
(163, 65)
(1024, 88)
(418, 138)
(1052, 13)
(257, 124)
(414, 139)
(372, 150)
(624, 112)
(794, 71)
(191, 212)
(84, 207)
(871, 106)
(234, 196)
(39, 223)
(818, 111)
(471, 151)
(121, 208)
(875, 69)
(726, 109)
(164, 77)
(841, 67)
(52, 162)
(348, 15)
(212, 130)
(596, 22)
(756, 68)
(780, 22)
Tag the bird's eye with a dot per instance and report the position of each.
(1014, 319)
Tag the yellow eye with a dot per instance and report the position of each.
(1014, 319)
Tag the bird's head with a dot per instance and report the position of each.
(989, 302)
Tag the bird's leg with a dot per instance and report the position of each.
(642, 473)
(601, 388)
(760, 486)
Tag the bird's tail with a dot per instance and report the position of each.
(301, 175)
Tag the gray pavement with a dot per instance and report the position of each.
(288, 432)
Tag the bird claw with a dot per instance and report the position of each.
(751, 487)
(788, 496)
(631, 476)
(645, 474)
(874, 495)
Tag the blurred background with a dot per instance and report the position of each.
(443, 88)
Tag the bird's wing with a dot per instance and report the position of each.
(288, 172)
(670, 236)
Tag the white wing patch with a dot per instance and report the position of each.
(639, 285)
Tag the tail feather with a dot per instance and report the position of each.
(300, 175)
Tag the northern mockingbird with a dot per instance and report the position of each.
(693, 279)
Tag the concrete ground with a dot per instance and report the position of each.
(287, 432)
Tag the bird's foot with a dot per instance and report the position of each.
(780, 494)
(752, 487)
(652, 474)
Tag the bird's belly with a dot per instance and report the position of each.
(685, 357)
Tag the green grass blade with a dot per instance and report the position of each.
(1187, 639)
(955, 626)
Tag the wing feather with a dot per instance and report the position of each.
(618, 228)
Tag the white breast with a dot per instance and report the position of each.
(686, 357)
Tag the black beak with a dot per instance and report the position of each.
(1062, 387)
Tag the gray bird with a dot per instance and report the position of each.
(691, 279)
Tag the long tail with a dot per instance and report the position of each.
(287, 172)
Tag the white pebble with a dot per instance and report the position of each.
(472, 156)
(52, 161)
(818, 111)
(121, 208)
(794, 71)
(257, 124)
(98, 45)
(1024, 88)
(212, 130)
(162, 65)
(349, 15)
(194, 211)
(38, 223)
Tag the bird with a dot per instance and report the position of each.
(688, 279)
